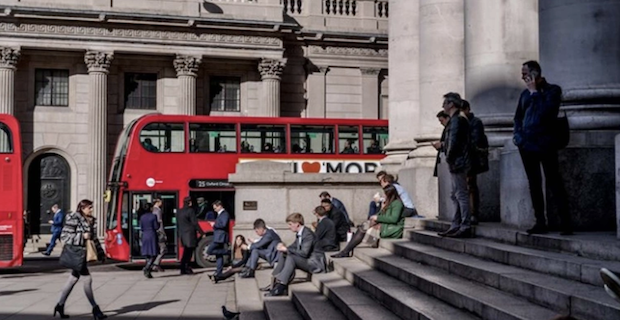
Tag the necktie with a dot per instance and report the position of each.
(298, 242)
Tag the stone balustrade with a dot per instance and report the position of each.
(339, 15)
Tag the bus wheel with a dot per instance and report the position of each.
(202, 258)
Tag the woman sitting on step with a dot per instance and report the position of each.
(390, 217)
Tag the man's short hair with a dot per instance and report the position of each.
(442, 114)
(465, 105)
(259, 224)
(381, 173)
(533, 65)
(326, 201)
(320, 211)
(454, 98)
(295, 217)
(187, 200)
(217, 203)
(157, 199)
(389, 178)
(325, 194)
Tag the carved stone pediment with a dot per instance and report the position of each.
(348, 51)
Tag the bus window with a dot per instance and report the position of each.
(348, 139)
(375, 139)
(212, 137)
(261, 138)
(163, 137)
(6, 145)
(312, 139)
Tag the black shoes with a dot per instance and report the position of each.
(60, 308)
(277, 291)
(447, 232)
(247, 273)
(187, 270)
(46, 253)
(473, 221)
(97, 314)
(342, 254)
(147, 274)
(466, 233)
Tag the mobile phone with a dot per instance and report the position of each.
(534, 74)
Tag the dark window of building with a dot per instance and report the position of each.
(51, 87)
(212, 137)
(141, 91)
(225, 94)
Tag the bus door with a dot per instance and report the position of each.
(169, 209)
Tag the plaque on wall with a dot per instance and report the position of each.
(250, 205)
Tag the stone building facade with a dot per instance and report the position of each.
(477, 48)
(75, 73)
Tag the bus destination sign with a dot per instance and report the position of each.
(209, 184)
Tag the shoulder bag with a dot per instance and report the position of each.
(73, 257)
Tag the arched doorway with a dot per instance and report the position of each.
(49, 182)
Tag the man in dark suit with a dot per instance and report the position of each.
(265, 248)
(220, 236)
(298, 255)
(342, 226)
(187, 226)
(325, 232)
(338, 205)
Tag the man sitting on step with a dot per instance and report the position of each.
(300, 254)
(265, 248)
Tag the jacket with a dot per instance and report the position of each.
(326, 236)
(221, 227)
(535, 118)
(457, 146)
(187, 227)
(342, 226)
(74, 229)
(479, 145)
(392, 220)
(57, 223)
(316, 259)
(340, 206)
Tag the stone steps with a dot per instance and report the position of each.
(480, 300)
(558, 264)
(311, 304)
(396, 295)
(561, 295)
(594, 245)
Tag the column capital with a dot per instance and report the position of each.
(9, 57)
(98, 61)
(370, 71)
(271, 68)
(187, 65)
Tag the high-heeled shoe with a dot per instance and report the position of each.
(97, 314)
(343, 254)
(60, 308)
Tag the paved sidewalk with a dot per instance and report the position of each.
(122, 294)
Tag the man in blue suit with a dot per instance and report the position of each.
(220, 237)
(57, 222)
(265, 248)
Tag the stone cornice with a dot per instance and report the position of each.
(347, 51)
(370, 71)
(271, 68)
(98, 61)
(9, 57)
(186, 65)
(162, 36)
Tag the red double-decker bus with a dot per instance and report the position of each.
(11, 194)
(173, 156)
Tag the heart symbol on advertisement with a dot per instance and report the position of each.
(311, 167)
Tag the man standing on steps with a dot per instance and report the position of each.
(479, 159)
(534, 125)
(457, 149)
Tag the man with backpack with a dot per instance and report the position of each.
(479, 159)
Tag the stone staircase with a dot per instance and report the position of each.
(500, 274)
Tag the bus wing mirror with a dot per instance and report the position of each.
(107, 196)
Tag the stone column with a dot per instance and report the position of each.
(404, 93)
(187, 70)
(316, 92)
(8, 63)
(270, 71)
(584, 35)
(370, 93)
(98, 64)
(442, 68)
(499, 37)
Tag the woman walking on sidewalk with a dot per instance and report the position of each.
(79, 227)
(149, 227)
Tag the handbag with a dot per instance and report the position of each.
(561, 132)
(91, 251)
(73, 257)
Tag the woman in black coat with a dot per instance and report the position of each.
(150, 248)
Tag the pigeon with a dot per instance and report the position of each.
(230, 315)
